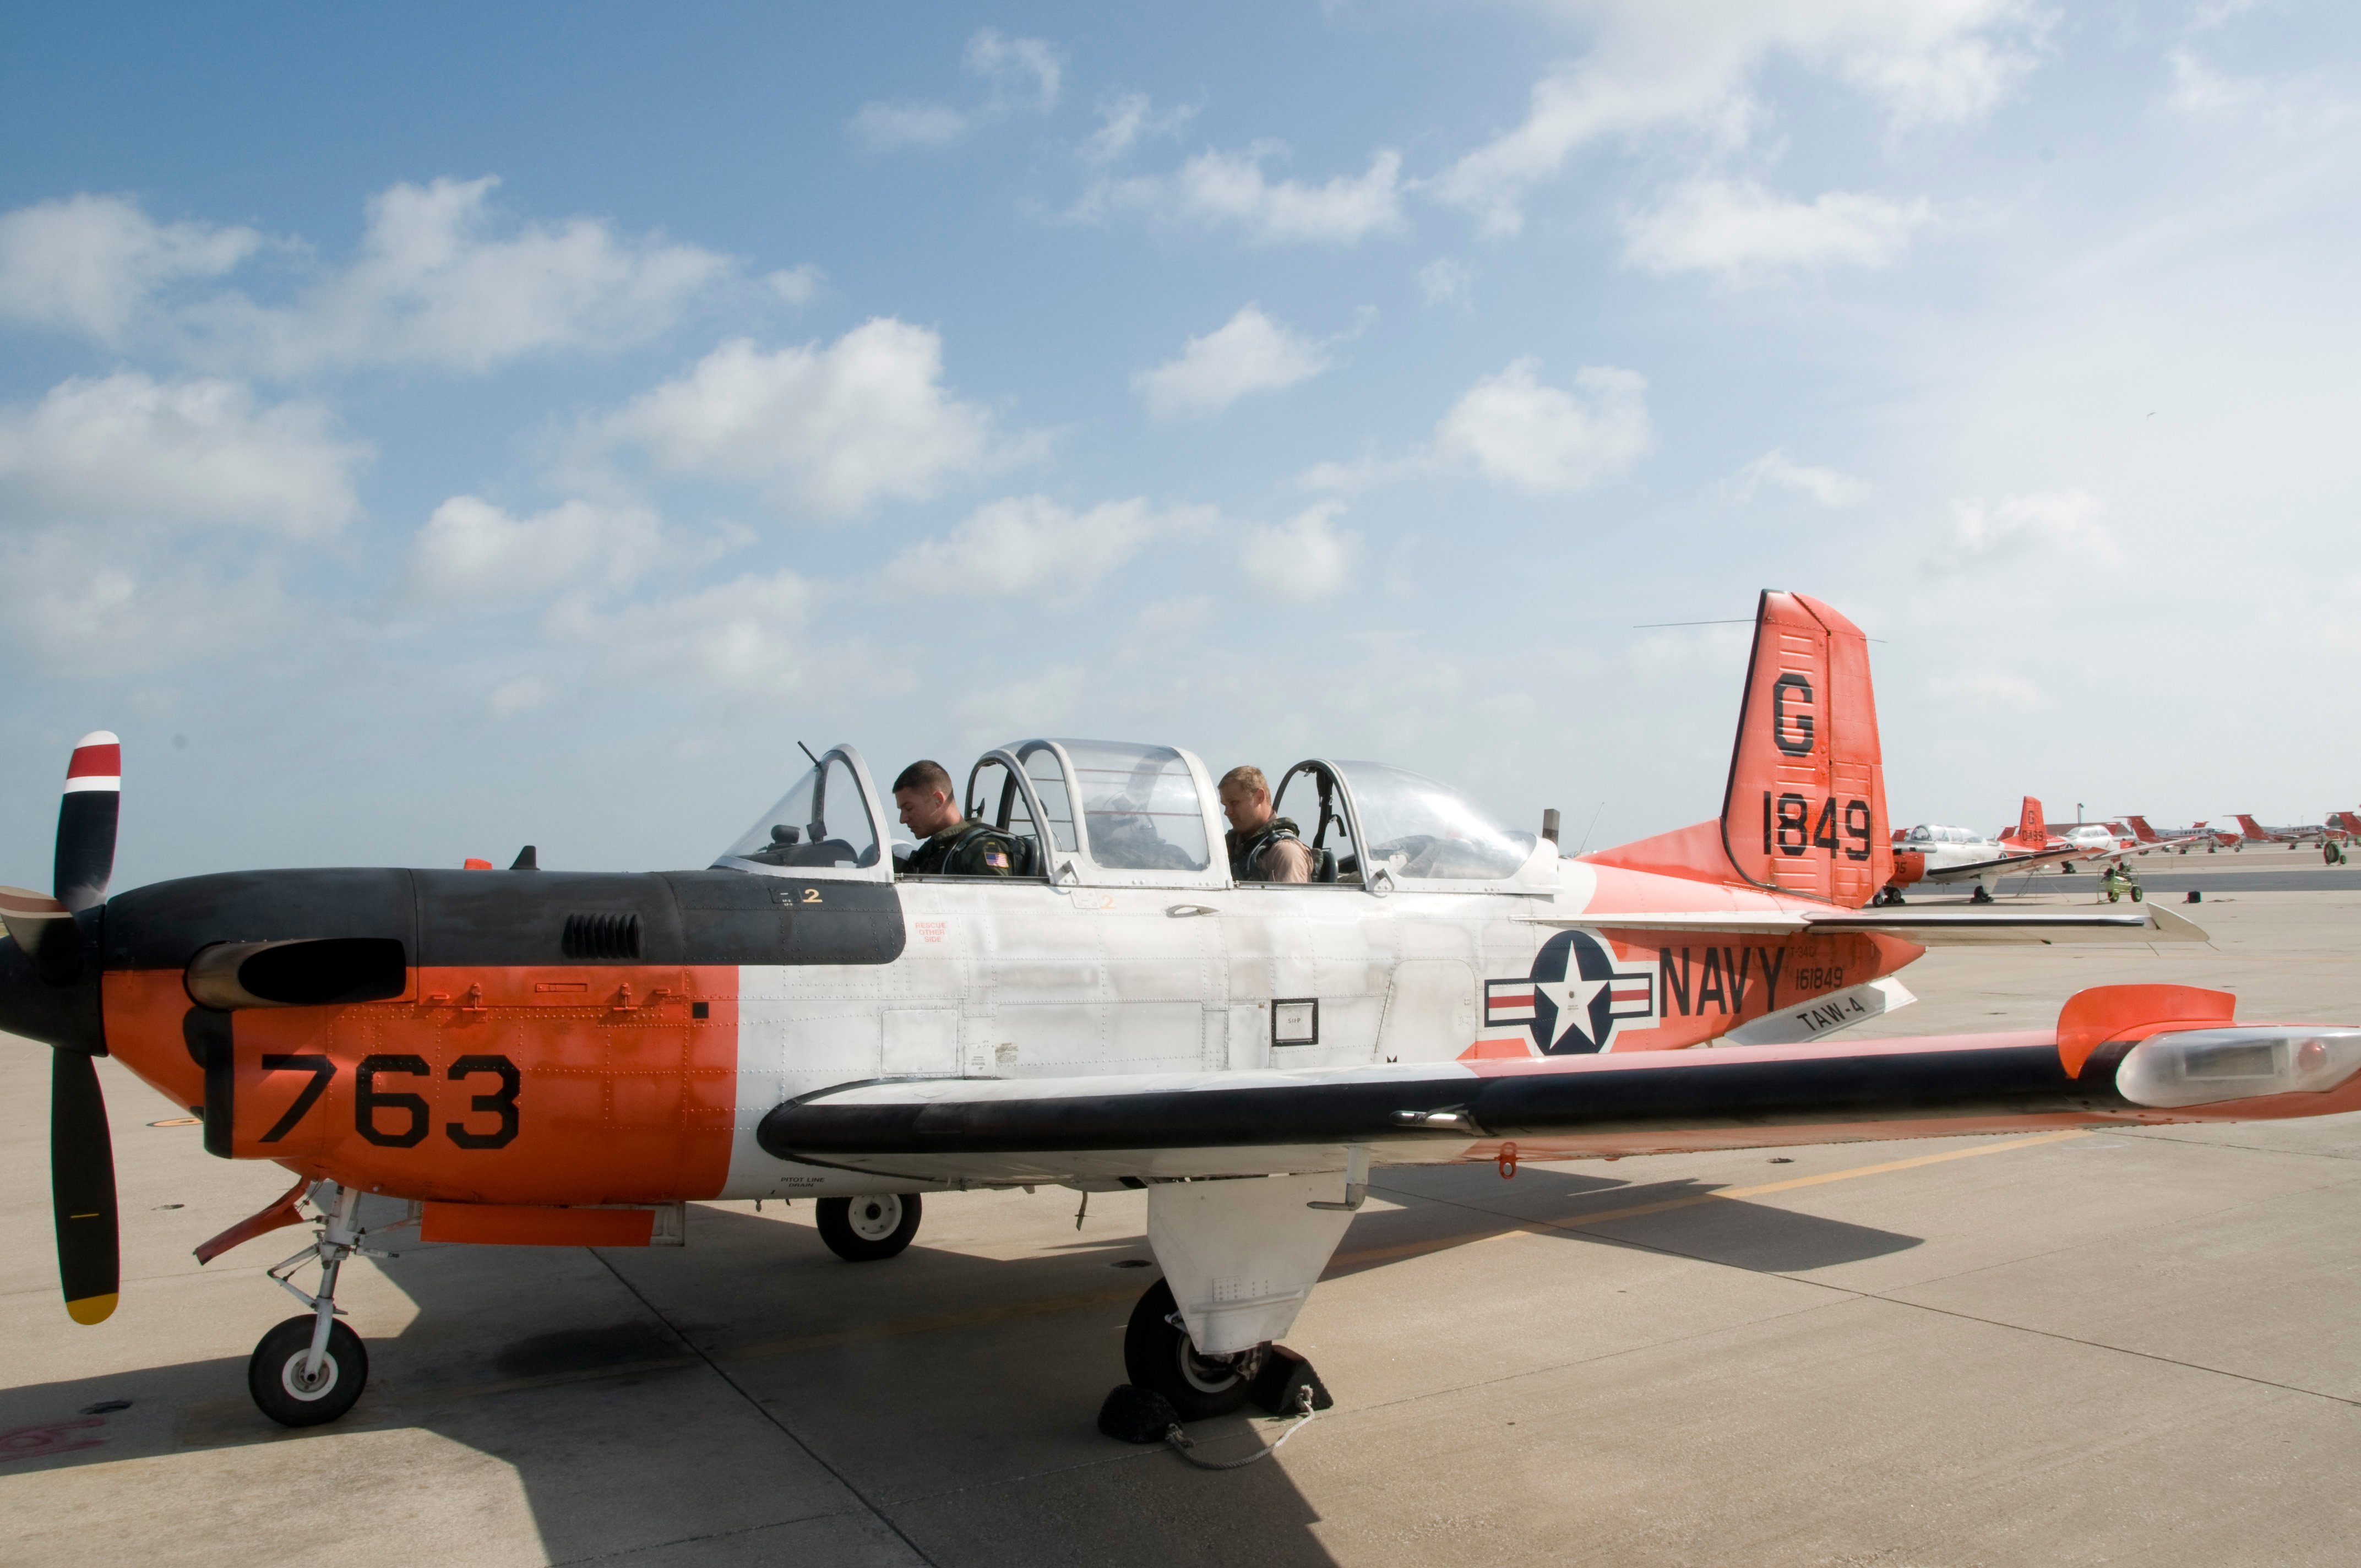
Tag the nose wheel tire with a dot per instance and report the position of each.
(865, 1230)
(1159, 1354)
(275, 1375)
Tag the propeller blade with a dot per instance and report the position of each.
(82, 1188)
(86, 821)
(46, 931)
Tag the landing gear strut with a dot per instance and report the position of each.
(867, 1230)
(1158, 1356)
(1983, 894)
(309, 1369)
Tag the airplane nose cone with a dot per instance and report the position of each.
(64, 1016)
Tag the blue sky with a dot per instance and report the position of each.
(431, 431)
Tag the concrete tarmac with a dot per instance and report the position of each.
(2079, 1348)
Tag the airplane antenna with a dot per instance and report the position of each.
(1594, 822)
(807, 752)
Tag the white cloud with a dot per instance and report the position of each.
(1826, 486)
(1306, 557)
(96, 606)
(1249, 353)
(796, 285)
(886, 125)
(1658, 66)
(1123, 121)
(91, 263)
(1445, 281)
(1738, 229)
(1024, 72)
(2293, 106)
(2037, 529)
(143, 524)
(745, 636)
(829, 429)
(1030, 542)
(1021, 74)
(1221, 190)
(431, 287)
(1515, 431)
(127, 450)
(473, 551)
(512, 697)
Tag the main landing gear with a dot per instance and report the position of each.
(871, 1229)
(311, 1368)
(1158, 1356)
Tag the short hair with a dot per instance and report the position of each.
(1244, 773)
(922, 777)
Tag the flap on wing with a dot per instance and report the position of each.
(1927, 927)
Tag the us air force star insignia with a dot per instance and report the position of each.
(1580, 996)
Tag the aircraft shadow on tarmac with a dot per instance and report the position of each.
(656, 1397)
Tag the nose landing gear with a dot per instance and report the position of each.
(309, 1369)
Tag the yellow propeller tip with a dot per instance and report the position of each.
(88, 1309)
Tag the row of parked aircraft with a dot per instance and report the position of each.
(1935, 854)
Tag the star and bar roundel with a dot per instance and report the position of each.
(1576, 998)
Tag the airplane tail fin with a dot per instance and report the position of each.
(2141, 829)
(1804, 811)
(2247, 824)
(2030, 830)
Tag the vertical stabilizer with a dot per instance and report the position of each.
(1805, 811)
(2031, 832)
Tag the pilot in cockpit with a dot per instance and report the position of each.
(1263, 848)
(952, 844)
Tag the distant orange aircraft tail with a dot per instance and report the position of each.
(2247, 824)
(2141, 830)
(2347, 820)
(1805, 808)
(2030, 833)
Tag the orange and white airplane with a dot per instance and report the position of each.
(545, 1057)
(2179, 841)
(2254, 832)
(1931, 853)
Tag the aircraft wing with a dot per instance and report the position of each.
(2006, 864)
(1122, 1129)
(1927, 927)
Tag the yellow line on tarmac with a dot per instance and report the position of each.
(978, 1316)
(1727, 1194)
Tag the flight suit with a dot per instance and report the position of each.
(1247, 850)
(966, 848)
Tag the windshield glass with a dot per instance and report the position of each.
(1417, 827)
(1139, 806)
(823, 821)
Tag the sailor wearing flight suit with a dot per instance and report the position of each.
(1263, 848)
(952, 844)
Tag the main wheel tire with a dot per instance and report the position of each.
(275, 1373)
(865, 1230)
(1159, 1354)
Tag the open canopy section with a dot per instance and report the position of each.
(827, 824)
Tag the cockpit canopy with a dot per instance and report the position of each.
(1109, 813)
(1927, 833)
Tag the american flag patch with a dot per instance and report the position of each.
(995, 859)
(1507, 1002)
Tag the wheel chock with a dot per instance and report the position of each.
(1133, 1414)
(1278, 1386)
